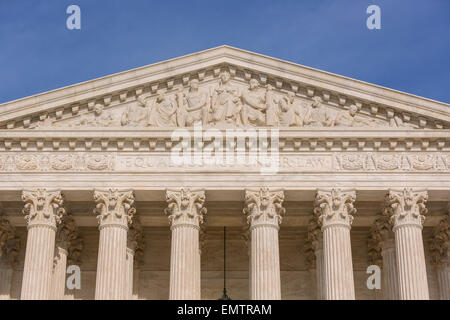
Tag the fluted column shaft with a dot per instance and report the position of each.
(320, 276)
(42, 210)
(389, 273)
(59, 273)
(115, 209)
(266, 283)
(185, 211)
(407, 209)
(336, 209)
(263, 208)
(185, 263)
(443, 277)
(6, 272)
(129, 274)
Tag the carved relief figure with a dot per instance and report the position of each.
(291, 112)
(225, 101)
(136, 115)
(163, 112)
(100, 118)
(192, 106)
(254, 105)
(348, 118)
(316, 114)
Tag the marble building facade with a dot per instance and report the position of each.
(87, 179)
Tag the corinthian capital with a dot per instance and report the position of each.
(264, 207)
(114, 207)
(185, 207)
(407, 207)
(335, 207)
(43, 207)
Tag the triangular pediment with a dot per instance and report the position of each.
(235, 88)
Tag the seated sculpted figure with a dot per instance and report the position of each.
(225, 101)
(254, 105)
(316, 114)
(163, 112)
(136, 114)
(192, 106)
(292, 112)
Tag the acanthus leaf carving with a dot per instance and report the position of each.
(335, 206)
(407, 206)
(114, 207)
(264, 207)
(43, 207)
(185, 207)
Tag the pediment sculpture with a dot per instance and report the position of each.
(226, 103)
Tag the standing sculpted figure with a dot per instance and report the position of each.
(136, 114)
(316, 114)
(192, 106)
(163, 112)
(225, 101)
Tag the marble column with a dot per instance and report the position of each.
(135, 251)
(115, 209)
(389, 272)
(381, 252)
(314, 257)
(67, 238)
(129, 273)
(9, 248)
(443, 277)
(407, 209)
(263, 208)
(320, 276)
(43, 211)
(185, 211)
(59, 272)
(440, 254)
(335, 207)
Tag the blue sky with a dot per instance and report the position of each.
(410, 53)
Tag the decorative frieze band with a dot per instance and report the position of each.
(428, 162)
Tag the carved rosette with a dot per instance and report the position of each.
(68, 239)
(114, 207)
(43, 208)
(407, 207)
(312, 243)
(185, 207)
(335, 207)
(440, 243)
(380, 231)
(135, 241)
(264, 207)
(9, 242)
